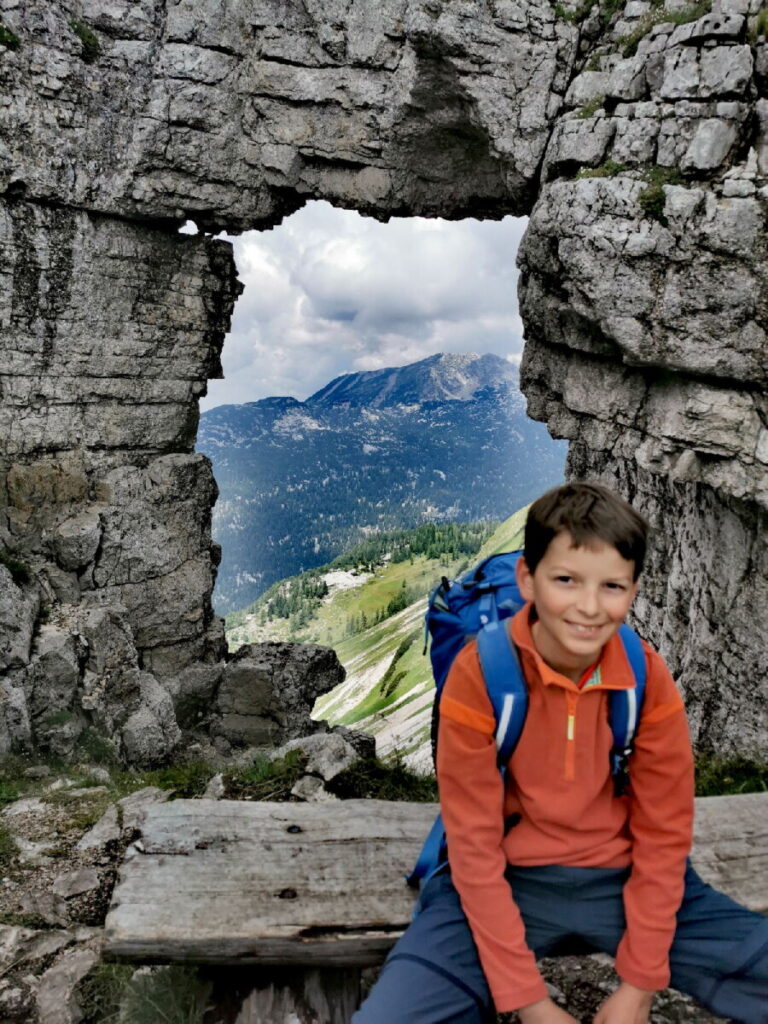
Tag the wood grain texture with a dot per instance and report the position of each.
(323, 884)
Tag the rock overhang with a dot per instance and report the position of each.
(639, 144)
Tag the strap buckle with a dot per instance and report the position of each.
(620, 769)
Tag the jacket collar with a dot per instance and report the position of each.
(611, 672)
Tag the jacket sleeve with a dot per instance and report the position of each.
(471, 800)
(661, 828)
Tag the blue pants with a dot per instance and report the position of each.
(433, 975)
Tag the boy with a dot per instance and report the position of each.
(554, 862)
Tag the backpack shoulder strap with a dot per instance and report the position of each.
(505, 684)
(431, 857)
(508, 694)
(625, 707)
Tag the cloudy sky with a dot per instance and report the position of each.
(330, 292)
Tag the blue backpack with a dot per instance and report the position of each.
(475, 606)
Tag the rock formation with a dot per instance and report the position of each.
(645, 299)
(637, 141)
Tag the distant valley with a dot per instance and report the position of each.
(444, 439)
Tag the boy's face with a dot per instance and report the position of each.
(582, 596)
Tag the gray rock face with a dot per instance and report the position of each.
(640, 148)
(268, 690)
(645, 302)
(57, 1001)
(235, 115)
(18, 611)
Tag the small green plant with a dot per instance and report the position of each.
(652, 198)
(12, 920)
(628, 44)
(609, 169)
(606, 9)
(83, 810)
(165, 995)
(8, 848)
(576, 16)
(91, 47)
(760, 26)
(96, 748)
(9, 791)
(379, 780)
(267, 779)
(716, 776)
(58, 852)
(186, 780)
(101, 991)
(592, 107)
(19, 571)
(57, 718)
(8, 39)
(610, 7)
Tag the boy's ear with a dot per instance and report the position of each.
(524, 579)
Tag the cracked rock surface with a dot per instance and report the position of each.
(636, 139)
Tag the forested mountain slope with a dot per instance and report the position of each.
(444, 439)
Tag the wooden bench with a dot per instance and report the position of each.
(307, 895)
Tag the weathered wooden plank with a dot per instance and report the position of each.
(238, 882)
(730, 849)
(233, 881)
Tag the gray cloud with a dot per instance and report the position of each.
(329, 292)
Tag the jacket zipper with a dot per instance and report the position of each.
(570, 737)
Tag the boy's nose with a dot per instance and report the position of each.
(588, 603)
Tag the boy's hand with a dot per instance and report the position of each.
(627, 1005)
(544, 1012)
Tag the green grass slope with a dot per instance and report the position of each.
(389, 690)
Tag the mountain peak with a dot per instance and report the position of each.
(445, 377)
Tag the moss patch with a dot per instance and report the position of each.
(716, 776)
(266, 779)
(186, 780)
(8, 848)
(12, 920)
(628, 44)
(376, 780)
(96, 748)
(759, 27)
(19, 571)
(591, 108)
(652, 198)
(91, 47)
(607, 9)
(10, 41)
(609, 169)
(57, 718)
(576, 16)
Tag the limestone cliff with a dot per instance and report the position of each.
(637, 141)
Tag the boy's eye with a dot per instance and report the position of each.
(564, 579)
(616, 586)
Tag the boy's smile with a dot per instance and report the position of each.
(582, 596)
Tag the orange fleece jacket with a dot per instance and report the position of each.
(559, 783)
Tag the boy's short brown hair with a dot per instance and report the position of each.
(589, 512)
